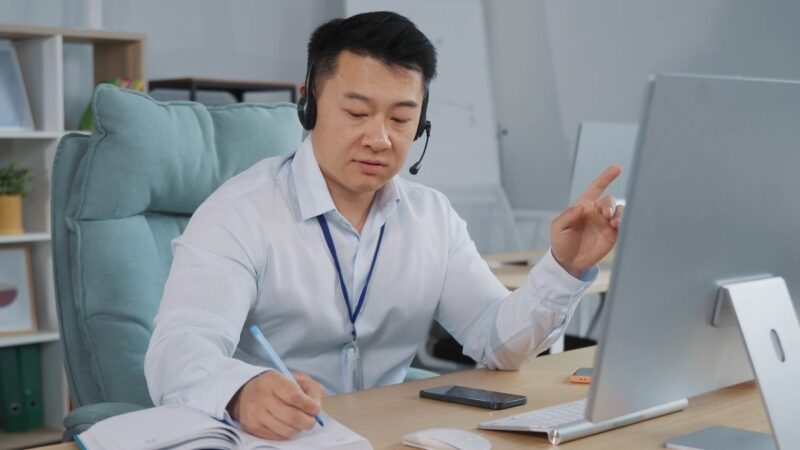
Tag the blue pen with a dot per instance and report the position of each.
(273, 356)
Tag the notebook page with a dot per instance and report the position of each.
(161, 427)
(332, 436)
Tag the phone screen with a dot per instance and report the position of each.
(474, 397)
(583, 372)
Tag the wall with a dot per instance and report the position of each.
(560, 62)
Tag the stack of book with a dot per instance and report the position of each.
(20, 388)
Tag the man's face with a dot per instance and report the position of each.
(367, 116)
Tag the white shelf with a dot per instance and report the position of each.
(29, 338)
(22, 238)
(8, 134)
(40, 52)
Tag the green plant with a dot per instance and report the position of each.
(14, 180)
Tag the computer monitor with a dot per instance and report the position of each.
(598, 146)
(714, 196)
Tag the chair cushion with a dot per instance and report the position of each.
(147, 167)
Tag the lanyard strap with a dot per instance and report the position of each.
(352, 315)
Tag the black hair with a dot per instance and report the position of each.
(383, 35)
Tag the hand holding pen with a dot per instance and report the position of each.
(276, 360)
(276, 404)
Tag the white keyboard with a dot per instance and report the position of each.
(567, 421)
(541, 420)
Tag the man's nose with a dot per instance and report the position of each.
(376, 136)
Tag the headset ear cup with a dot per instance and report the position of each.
(301, 111)
(422, 116)
(310, 110)
(307, 105)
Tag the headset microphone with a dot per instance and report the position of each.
(415, 168)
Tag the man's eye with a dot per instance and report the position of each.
(401, 121)
(356, 115)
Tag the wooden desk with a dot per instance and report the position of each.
(384, 415)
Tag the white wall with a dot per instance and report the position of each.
(560, 62)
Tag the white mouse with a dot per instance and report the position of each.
(446, 439)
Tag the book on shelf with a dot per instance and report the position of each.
(178, 427)
(20, 388)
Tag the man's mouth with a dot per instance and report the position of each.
(370, 167)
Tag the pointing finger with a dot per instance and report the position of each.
(601, 183)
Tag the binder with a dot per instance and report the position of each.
(31, 377)
(11, 390)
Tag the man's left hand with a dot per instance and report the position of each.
(586, 231)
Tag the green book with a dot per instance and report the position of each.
(11, 390)
(31, 377)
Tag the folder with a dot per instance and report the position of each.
(31, 378)
(11, 391)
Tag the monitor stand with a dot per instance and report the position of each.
(771, 333)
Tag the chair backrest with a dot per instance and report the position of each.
(119, 197)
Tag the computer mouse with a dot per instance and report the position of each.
(446, 439)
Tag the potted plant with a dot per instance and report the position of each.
(15, 181)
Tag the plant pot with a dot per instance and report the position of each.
(11, 214)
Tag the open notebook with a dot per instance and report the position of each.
(180, 427)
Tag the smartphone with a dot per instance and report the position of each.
(581, 375)
(473, 397)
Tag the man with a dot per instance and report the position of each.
(342, 264)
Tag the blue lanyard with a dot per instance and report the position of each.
(352, 315)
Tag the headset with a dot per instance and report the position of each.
(307, 113)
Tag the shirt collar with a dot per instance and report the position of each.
(312, 191)
(313, 195)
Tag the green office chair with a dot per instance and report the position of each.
(119, 197)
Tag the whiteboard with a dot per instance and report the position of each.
(463, 148)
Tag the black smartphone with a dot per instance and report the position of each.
(473, 397)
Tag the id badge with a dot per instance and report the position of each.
(351, 367)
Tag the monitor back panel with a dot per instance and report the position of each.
(714, 195)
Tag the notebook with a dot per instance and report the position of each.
(179, 427)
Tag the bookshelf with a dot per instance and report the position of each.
(41, 57)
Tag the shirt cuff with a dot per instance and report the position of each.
(553, 281)
(225, 387)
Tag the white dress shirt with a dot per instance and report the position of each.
(254, 253)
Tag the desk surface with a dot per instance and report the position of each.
(384, 415)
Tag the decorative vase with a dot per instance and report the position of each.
(11, 214)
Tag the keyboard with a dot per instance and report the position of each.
(565, 422)
(541, 420)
